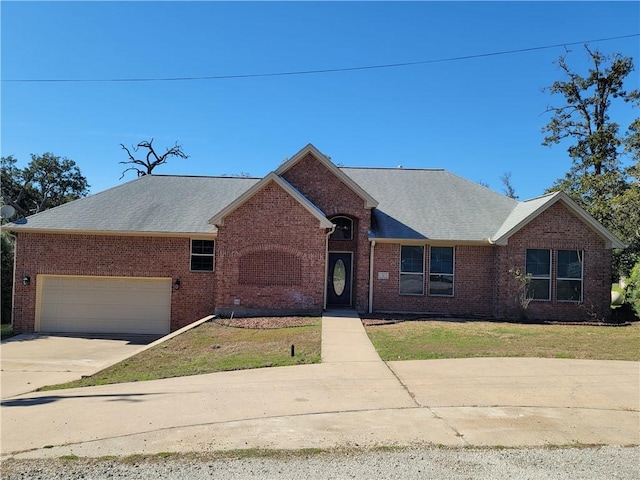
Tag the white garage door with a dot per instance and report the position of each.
(104, 305)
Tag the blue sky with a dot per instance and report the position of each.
(478, 117)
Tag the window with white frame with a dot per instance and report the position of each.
(411, 270)
(538, 268)
(202, 252)
(569, 276)
(441, 271)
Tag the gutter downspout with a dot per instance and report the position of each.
(371, 258)
(326, 265)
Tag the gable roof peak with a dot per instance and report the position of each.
(369, 201)
(528, 210)
(218, 218)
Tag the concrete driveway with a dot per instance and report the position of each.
(31, 361)
(350, 399)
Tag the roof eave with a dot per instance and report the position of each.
(114, 233)
(430, 241)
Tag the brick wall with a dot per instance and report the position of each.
(473, 283)
(118, 256)
(333, 197)
(477, 294)
(289, 275)
(556, 228)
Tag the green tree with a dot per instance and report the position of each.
(633, 290)
(598, 178)
(46, 182)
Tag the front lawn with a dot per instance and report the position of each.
(429, 339)
(214, 347)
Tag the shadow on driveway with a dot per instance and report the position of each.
(128, 339)
(30, 402)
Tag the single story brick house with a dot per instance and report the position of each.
(161, 251)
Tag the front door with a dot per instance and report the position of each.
(339, 279)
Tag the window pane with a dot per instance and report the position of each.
(202, 247)
(570, 290)
(441, 285)
(538, 289)
(200, 263)
(569, 264)
(412, 259)
(538, 262)
(442, 260)
(411, 284)
(343, 230)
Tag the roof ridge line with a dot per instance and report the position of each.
(438, 169)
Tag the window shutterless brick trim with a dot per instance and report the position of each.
(412, 271)
(447, 274)
(202, 259)
(575, 278)
(536, 276)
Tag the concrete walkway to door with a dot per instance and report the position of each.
(344, 338)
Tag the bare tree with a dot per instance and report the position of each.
(509, 191)
(151, 158)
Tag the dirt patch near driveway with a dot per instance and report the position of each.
(268, 322)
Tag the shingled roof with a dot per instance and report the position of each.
(154, 204)
(413, 205)
(431, 204)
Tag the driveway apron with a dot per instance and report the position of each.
(31, 361)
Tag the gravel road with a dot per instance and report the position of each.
(416, 463)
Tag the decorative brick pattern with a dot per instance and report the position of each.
(270, 221)
(269, 268)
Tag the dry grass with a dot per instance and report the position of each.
(213, 347)
(428, 339)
